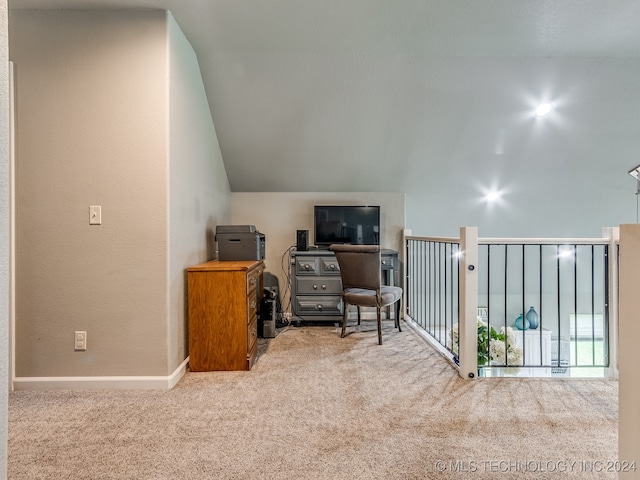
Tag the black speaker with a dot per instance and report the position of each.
(302, 243)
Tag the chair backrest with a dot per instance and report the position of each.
(359, 265)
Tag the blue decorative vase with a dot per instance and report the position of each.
(533, 317)
(521, 323)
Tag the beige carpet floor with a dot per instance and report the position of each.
(320, 407)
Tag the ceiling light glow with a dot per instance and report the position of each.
(544, 109)
(492, 196)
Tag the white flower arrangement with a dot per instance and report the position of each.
(493, 348)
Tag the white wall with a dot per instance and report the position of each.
(279, 215)
(199, 190)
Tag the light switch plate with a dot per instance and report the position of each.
(95, 215)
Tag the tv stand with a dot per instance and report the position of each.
(316, 287)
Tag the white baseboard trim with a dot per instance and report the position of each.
(102, 383)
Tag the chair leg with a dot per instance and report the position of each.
(379, 327)
(358, 315)
(344, 319)
(398, 309)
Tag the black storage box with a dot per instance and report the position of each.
(268, 315)
(239, 242)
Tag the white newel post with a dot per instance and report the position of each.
(468, 328)
(628, 352)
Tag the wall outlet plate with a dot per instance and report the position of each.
(80, 341)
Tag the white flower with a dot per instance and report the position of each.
(454, 341)
(497, 351)
(498, 347)
(502, 346)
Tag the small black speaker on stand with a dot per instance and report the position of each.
(302, 240)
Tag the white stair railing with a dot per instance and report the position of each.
(442, 283)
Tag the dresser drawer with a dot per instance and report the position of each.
(252, 306)
(251, 356)
(321, 285)
(252, 333)
(329, 266)
(307, 266)
(318, 304)
(253, 279)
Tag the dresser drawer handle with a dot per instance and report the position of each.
(254, 332)
(252, 281)
(307, 266)
(253, 304)
(332, 267)
(324, 287)
(315, 287)
(318, 307)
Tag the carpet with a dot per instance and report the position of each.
(320, 407)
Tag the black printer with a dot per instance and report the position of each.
(239, 242)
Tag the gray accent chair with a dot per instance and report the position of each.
(361, 284)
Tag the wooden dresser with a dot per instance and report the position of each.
(224, 298)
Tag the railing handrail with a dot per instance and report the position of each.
(543, 241)
(434, 239)
(518, 241)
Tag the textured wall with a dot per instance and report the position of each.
(199, 190)
(91, 130)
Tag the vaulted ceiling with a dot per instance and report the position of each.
(379, 95)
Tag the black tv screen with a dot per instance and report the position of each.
(358, 225)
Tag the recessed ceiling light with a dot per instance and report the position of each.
(492, 196)
(544, 109)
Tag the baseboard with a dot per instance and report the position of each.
(102, 383)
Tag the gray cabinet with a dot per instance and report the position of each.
(316, 288)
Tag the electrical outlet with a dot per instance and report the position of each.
(80, 341)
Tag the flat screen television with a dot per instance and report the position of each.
(357, 225)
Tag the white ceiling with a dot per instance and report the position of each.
(379, 95)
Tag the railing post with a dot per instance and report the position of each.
(612, 234)
(468, 326)
(405, 260)
(629, 338)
